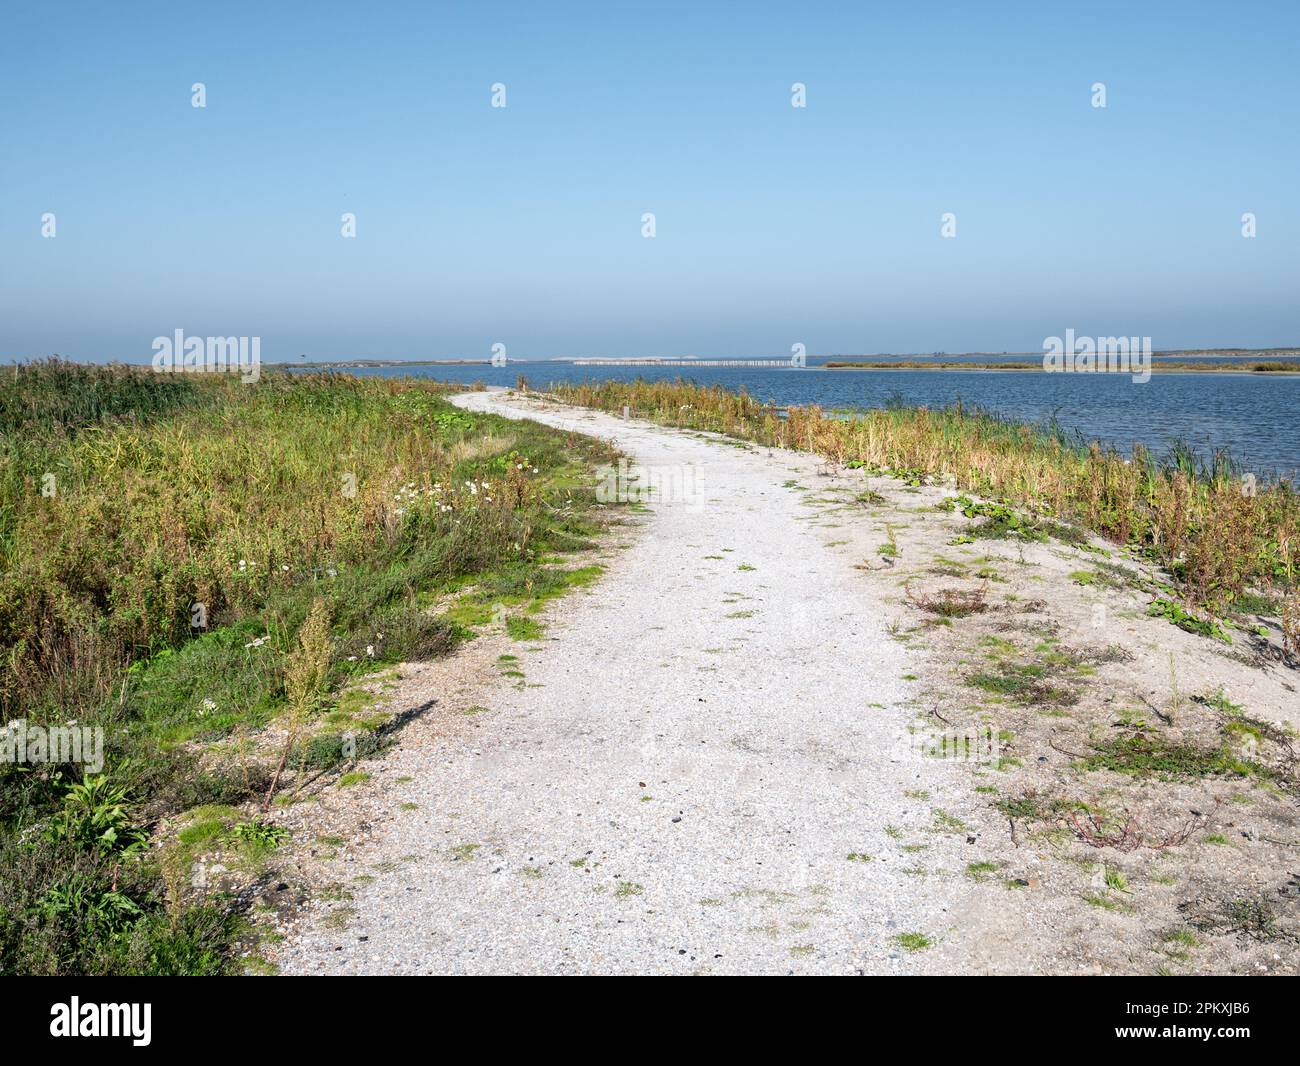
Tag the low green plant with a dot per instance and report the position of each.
(913, 942)
(1176, 614)
(260, 835)
(95, 814)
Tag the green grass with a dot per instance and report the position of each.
(343, 500)
(524, 628)
(1031, 805)
(913, 942)
(943, 822)
(1141, 755)
(1182, 937)
(1104, 902)
(1115, 880)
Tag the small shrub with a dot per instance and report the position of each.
(260, 835)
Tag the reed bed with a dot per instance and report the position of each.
(1215, 531)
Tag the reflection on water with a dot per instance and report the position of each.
(1255, 416)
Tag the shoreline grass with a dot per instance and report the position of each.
(185, 561)
(1217, 535)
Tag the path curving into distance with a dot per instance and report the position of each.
(702, 741)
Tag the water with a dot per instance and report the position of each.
(1256, 417)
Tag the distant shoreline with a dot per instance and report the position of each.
(1234, 361)
(1030, 368)
(1165, 361)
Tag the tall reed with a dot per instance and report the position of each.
(1214, 531)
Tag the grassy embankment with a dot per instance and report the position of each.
(193, 564)
(1223, 541)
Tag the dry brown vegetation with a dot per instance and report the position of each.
(1216, 533)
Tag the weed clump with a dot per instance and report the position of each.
(950, 602)
(1145, 755)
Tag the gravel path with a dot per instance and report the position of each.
(708, 769)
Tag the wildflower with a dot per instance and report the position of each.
(256, 643)
(208, 707)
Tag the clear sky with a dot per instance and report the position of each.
(522, 225)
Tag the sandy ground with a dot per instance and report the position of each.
(721, 757)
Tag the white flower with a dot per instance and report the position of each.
(285, 569)
(370, 650)
(208, 707)
(257, 643)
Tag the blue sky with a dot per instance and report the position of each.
(522, 225)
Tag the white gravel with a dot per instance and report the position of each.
(676, 790)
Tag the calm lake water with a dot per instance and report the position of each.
(1255, 416)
